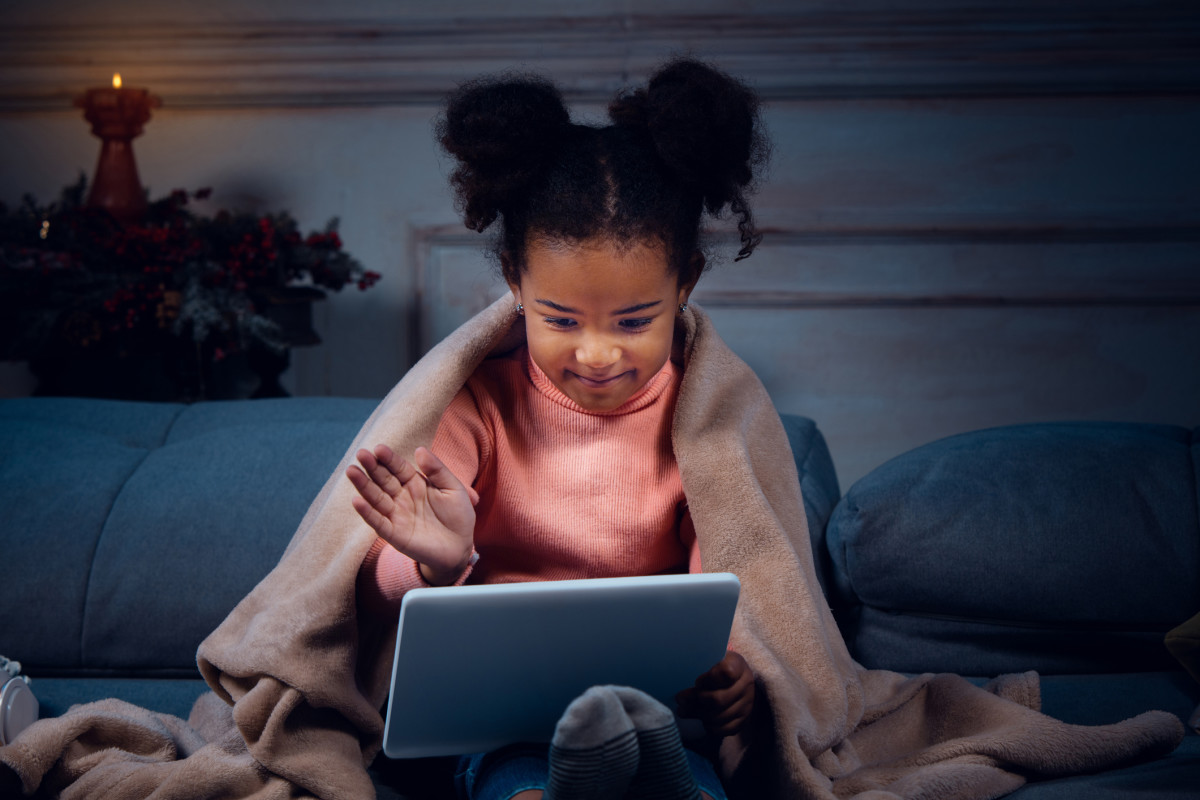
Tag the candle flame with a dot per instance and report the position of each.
(116, 80)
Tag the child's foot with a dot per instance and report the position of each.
(594, 753)
(663, 770)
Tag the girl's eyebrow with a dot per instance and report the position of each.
(556, 306)
(627, 310)
(637, 307)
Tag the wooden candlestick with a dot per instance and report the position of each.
(117, 116)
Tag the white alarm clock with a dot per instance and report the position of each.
(18, 706)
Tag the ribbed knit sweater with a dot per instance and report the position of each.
(564, 492)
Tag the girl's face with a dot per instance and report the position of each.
(599, 320)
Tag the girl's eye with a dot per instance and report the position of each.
(636, 324)
(560, 322)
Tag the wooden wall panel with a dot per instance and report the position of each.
(883, 380)
(852, 271)
(309, 53)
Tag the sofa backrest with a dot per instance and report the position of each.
(1061, 547)
(130, 530)
(818, 485)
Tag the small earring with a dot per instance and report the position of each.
(520, 308)
(682, 307)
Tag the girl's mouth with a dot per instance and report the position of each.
(598, 383)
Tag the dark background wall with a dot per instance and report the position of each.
(977, 213)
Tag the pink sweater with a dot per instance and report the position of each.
(564, 492)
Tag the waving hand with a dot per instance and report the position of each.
(422, 510)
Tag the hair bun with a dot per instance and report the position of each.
(705, 128)
(500, 129)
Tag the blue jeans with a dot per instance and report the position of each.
(502, 773)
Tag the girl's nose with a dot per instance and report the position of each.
(597, 352)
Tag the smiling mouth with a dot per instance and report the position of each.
(598, 383)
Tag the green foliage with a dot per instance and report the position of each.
(73, 278)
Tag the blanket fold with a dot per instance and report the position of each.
(298, 676)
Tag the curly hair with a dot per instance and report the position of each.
(690, 141)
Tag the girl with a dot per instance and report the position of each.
(555, 461)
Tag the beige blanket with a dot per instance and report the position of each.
(298, 677)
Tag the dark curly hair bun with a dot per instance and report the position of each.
(706, 129)
(501, 130)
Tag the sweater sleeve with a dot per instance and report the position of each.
(386, 575)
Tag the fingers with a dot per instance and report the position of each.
(731, 720)
(723, 675)
(719, 717)
(705, 703)
(723, 712)
(378, 480)
(381, 469)
(389, 471)
(381, 524)
(394, 495)
(438, 474)
(367, 488)
(723, 697)
(371, 504)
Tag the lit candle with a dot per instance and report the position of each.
(117, 115)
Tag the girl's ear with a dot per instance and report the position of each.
(688, 283)
(509, 273)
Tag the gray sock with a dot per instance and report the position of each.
(663, 770)
(594, 753)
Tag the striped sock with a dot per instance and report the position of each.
(663, 770)
(594, 753)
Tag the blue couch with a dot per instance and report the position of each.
(129, 530)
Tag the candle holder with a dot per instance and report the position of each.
(117, 116)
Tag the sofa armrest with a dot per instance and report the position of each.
(1061, 547)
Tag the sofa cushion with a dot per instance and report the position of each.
(1171, 778)
(173, 514)
(63, 461)
(1102, 700)
(1061, 547)
(174, 696)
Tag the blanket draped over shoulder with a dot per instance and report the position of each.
(298, 677)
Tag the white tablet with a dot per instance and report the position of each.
(478, 667)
